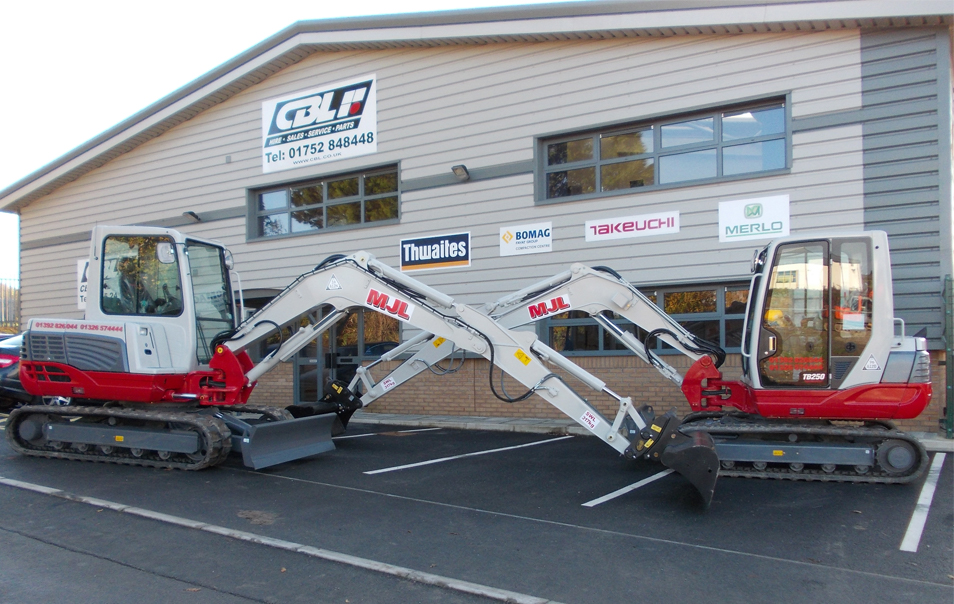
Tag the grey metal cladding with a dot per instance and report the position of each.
(96, 353)
(900, 125)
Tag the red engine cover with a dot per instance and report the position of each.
(707, 391)
(224, 384)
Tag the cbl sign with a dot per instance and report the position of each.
(762, 218)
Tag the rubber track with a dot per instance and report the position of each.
(873, 435)
(215, 436)
(276, 414)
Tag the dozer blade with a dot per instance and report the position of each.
(696, 459)
(270, 443)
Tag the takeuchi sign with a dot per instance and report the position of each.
(623, 227)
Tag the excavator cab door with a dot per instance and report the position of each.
(794, 327)
(816, 313)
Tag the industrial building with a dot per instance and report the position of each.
(484, 150)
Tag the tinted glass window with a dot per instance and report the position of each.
(742, 142)
(212, 295)
(330, 203)
(140, 276)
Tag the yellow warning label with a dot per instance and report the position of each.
(522, 357)
(778, 453)
(656, 428)
(649, 443)
(438, 342)
(120, 439)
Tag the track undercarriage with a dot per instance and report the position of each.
(750, 446)
(183, 438)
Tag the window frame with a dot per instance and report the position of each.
(656, 123)
(254, 194)
(657, 293)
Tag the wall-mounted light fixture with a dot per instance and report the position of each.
(460, 171)
(192, 216)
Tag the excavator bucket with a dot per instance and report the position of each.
(339, 400)
(694, 456)
(270, 443)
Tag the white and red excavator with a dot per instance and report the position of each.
(161, 374)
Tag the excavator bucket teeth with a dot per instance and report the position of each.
(270, 443)
(694, 457)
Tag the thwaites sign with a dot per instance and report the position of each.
(326, 123)
(761, 218)
(437, 251)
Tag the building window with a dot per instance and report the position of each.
(713, 313)
(334, 202)
(743, 141)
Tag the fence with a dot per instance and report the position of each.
(9, 305)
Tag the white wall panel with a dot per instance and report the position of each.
(482, 106)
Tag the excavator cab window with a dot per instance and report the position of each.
(212, 294)
(794, 337)
(851, 290)
(140, 276)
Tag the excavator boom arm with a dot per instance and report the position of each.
(361, 281)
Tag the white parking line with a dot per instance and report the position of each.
(476, 453)
(402, 572)
(379, 433)
(625, 490)
(919, 517)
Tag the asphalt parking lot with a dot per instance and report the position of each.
(441, 515)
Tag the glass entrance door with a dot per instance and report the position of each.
(359, 337)
(311, 366)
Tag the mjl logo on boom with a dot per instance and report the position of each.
(395, 307)
(553, 307)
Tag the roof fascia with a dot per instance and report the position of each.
(704, 14)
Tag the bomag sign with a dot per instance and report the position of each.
(526, 239)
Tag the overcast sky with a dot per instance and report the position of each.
(71, 70)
